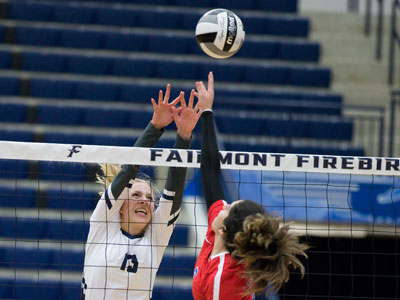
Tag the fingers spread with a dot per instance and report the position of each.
(191, 99)
(154, 103)
(197, 107)
(200, 86)
(211, 81)
(160, 97)
(177, 99)
(167, 93)
(183, 103)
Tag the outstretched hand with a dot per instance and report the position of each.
(205, 96)
(163, 111)
(186, 117)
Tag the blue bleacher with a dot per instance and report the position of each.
(288, 105)
(81, 38)
(309, 76)
(281, 126)
(9, 85)
(291, 148)
(5, 59)
(279, 5)
(37, 36)
(138, 118)
(326, 150)
(10, 112)
(2, 34)
(34, 289)
(112, 140)
(125, 41)
(65, 230)
(288, 26)
(287, 6)
(12, 169)
(13, 227)
(150, 18)
(85, 64)
(30, 11)
(72, 260)
(16, 135)
(71, 199)
(13, 197)
(47, 114)
(153, 18)
(26, 258)
(62, 171)
(117, 16)
(106, 117)
(142, 92)
(299, 51)
(159, 43)
(73, 13)
(52, 88)
(43, 61)
(104, 65)
(174, 44)
(135, 67)
(97, 91)
(41, 289)
(68, 138)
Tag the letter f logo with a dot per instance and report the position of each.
(75, 149)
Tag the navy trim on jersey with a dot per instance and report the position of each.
(172, 221)
(166, 197)
(108, 201)
(131, 236)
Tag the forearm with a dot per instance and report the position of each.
(148, 138)
(176, 176)
(210, 164)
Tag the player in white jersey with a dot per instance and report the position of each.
(128, 235)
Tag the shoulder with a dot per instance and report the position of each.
(216, 206)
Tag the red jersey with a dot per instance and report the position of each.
(217, 277)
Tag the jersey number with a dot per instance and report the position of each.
(133, 260)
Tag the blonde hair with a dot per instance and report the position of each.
(109, 171)
(268, 251)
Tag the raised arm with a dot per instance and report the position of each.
(210, 165)
(163, 115)
(186, 118)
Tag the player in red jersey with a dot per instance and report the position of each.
(245, 249)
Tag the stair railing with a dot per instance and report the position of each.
(379, 28)
(394, 40)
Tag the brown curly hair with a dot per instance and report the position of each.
(268, 250)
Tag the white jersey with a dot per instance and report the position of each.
(120, 266)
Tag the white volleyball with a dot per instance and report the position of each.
(220, 33)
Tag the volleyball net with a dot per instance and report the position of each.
(346, 208)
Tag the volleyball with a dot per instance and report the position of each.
(220, 33)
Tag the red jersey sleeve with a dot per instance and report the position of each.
(213, 212)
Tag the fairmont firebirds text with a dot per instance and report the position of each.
(288, 162)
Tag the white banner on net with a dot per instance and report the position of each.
(191, 158)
